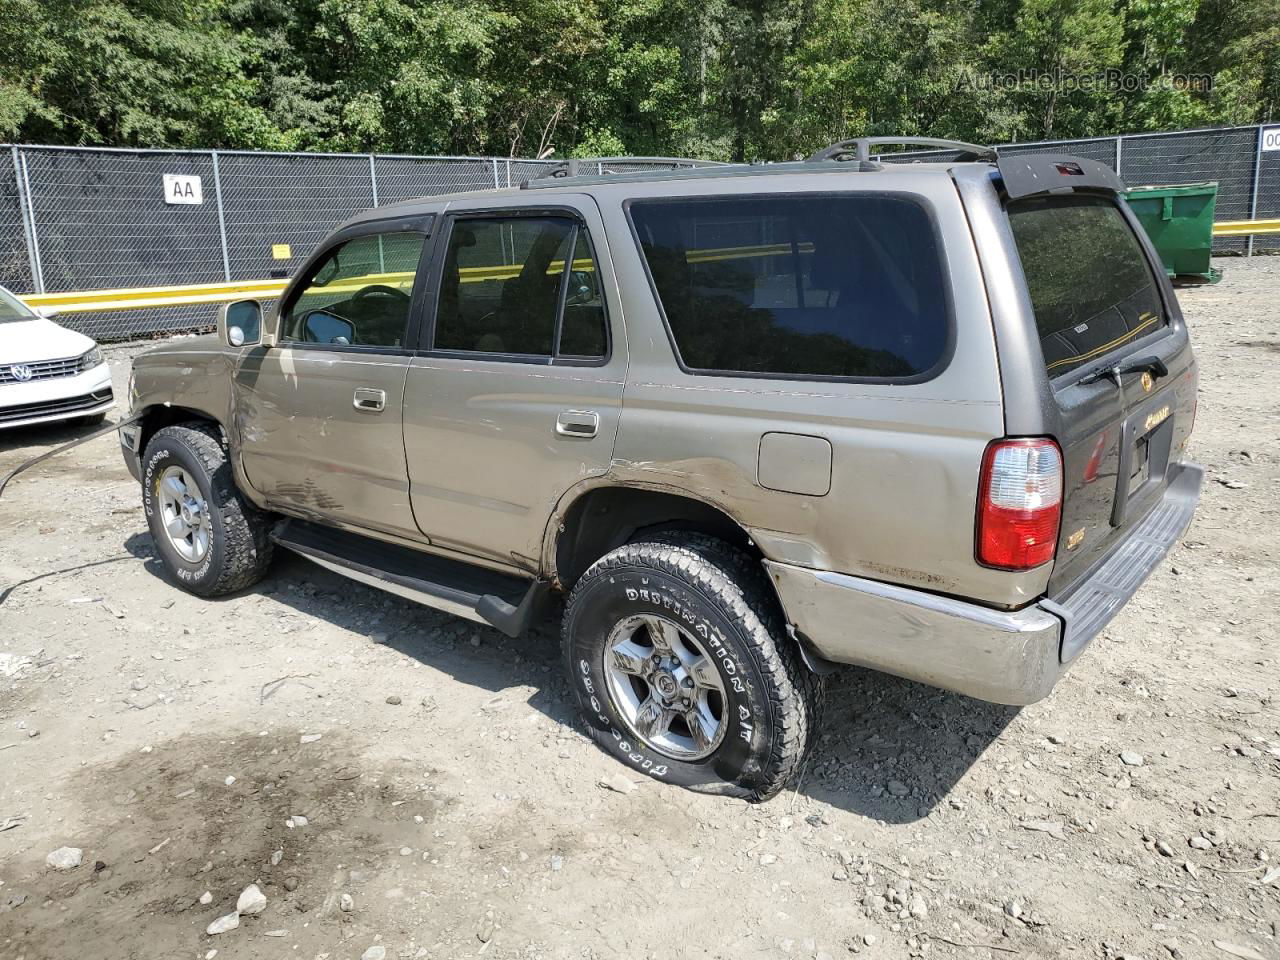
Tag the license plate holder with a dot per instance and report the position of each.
(1140, 467)
(1144, 455)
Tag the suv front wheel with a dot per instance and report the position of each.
(676, 654)
(212, 541)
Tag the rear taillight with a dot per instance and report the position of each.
(1019, 504)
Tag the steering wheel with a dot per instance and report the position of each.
(380, 290)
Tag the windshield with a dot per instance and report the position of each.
(11, 308)
(1090, 284)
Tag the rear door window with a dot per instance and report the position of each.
(1091, 286)
(521, 287)
(846, 286)
(500, 290)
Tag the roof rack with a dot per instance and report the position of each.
(860, 148)
(576, 167)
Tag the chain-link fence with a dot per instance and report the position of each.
(1248, 176)
(75, 219)
(85, 219)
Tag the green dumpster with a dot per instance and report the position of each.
(1179, 221)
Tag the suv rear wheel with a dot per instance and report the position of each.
(677, 656)
(211, 540)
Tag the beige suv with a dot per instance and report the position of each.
(738, 424)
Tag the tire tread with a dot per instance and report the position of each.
(247, 544)
(729, 578)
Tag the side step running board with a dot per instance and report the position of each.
(508, 603)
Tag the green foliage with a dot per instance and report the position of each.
(724, 79)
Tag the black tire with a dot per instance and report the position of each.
(239, 550)
(93, 420)
(770, 701)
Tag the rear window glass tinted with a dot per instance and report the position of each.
(844, 286)
(582, 331)
(1090, 284)
(501, 287)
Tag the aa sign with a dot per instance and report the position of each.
(182, 188)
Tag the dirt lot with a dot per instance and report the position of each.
(453, 809)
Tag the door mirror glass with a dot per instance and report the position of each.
(322, 327)
(240, 323)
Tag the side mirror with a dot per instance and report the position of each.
(47, 313)
(240, 323)
(324, 327)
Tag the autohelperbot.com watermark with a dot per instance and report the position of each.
(1065, 81)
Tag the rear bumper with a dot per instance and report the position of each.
(1012, 657)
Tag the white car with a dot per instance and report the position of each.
(47, 372)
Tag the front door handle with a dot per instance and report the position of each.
(582, 424)
(370, 400)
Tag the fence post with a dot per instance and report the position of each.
(222, 219)
(29, 218)
(28, 230)
(373, 178)
(1253, 197)
(508, 173)
(1119, 156)
(496, 184)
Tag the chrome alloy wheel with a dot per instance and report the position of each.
(666, 687)
(185, 514)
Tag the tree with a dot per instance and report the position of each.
(722, 79)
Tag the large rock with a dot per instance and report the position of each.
(251, 901)
(223, 924)
(64, 858)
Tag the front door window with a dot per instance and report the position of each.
(358, 295)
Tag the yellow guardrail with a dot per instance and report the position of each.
(1243, 228)
(136, 298)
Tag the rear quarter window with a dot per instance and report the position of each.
(800, 285)
(1091, 286)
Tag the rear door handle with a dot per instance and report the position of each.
(582, 424)
(369, 399)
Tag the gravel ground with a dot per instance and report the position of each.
(453, 809)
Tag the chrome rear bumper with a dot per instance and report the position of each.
(989, 654)
(1012, 657)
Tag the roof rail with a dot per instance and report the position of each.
(860, 148)
(575, 167)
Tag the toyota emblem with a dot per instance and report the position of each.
(21, 372)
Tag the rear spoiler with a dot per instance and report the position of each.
(1028, 174)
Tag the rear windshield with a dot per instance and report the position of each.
(846, 286)
(1091, 286)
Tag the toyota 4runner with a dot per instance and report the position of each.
(744, 422)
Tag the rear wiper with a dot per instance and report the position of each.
(1152, 365)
